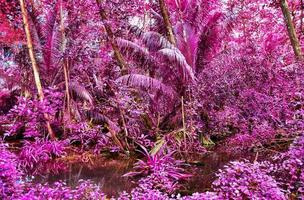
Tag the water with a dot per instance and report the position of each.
(108, 173)
(205, 169)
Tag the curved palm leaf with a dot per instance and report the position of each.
(155, 41)
(207, 41)
(137, 53)
(98, 118)
(176, 57)
(80, 92)
(148, 83)
(49, 34)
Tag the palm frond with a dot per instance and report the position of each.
(147, 83)
(155, 41)
(139, 54)
(207, 41)
(187, 38)
(176, 57)
(80, 92)
(37, 25)
(156, 16)
(136, 30)
(98, 118)
(49, 32)
(131, 48)
(158, 22)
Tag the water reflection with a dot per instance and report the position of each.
(205, 169)
(106, 173)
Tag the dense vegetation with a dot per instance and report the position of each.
(164, 81)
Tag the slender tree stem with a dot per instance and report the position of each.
(117, 54)
(183, 117)
(123, 123)
(122, 115)
(66, 80)
(65, 62)
(301, 18)
(291, 30)
(158, 123)
(166, 18)
(34, 64)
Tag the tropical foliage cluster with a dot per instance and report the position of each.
(164, 81)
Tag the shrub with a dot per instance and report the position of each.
(162, 172)
(10, 176)
(289, 168)
(38, 157)
(244, 180)
(84, 191)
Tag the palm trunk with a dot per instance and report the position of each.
(166, 18)
(291, 30)
(117, 54)
(34, 64)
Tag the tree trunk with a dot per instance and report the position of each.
(291, 30)
(117, 54)
(65, 61)
(302, 18)
(166, 18)
(34, 64)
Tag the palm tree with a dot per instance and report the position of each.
(169, 68)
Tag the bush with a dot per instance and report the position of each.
(244, 180)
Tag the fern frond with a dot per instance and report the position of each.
(95, 117)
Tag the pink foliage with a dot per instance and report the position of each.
(114, 82)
